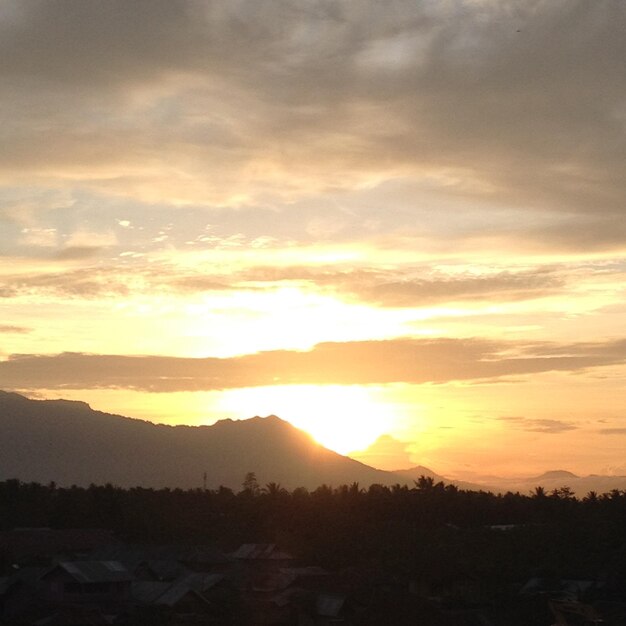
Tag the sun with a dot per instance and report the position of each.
(341, 418)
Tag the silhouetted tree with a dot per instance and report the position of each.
(250, 484)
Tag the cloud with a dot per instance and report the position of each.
(246, 104)
(501, 286)
(414, 361)
(196, 284)
(38, 237)
(387, 453)
(110, 281)
(72, 253)
(612, 431)
(401, 288)
(7, 328)
(539, 425)
(80, 283)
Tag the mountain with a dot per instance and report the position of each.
(556, 479)
(579, 485)
(556, 474)
(413, 474)
(70, 443)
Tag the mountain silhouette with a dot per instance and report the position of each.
(556, 474)
(70, 443)
(556, 479)
(414, 473)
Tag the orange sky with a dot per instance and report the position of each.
(373, 219)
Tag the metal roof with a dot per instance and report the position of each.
(309, 570)
(168, 594)
(329, 605)
(148, 591)
(262, 551)
(177, 592)
(96, 571)
(203, 582)
(167, 570)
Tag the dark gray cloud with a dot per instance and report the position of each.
(539, 425)
(91, 43)
(515, 104)
(413, 361)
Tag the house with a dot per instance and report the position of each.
(167, 562)
(102, 583)
(209, 598)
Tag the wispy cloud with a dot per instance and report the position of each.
(410, 292)
(380, 287)
(20, 330)
(539, 425)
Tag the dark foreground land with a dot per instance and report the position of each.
(432, 555)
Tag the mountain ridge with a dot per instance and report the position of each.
(68, 442)
(71, 443)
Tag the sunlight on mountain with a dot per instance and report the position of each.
(342, 418)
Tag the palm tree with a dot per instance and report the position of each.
(539, 492)
(592, 496)
(425, 483)
(273, 489)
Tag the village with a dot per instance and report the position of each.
(88, 577)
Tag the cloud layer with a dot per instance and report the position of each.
(350, 363)
(508, 105)
(399, 287)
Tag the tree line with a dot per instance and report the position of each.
(427, 528)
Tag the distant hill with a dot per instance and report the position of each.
(556, 474)
(556, 479)
(70, 443)
(413, 474)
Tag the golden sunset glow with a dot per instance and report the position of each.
(402, 221)
(340, 418)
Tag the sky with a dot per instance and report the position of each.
(399, 225)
